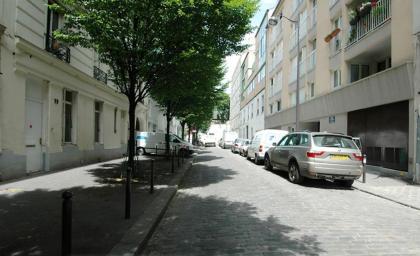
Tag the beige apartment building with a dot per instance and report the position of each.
(58, 108)
(356, 74)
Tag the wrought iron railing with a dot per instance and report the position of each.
(375, 17)
(100, 75)
(59, 49)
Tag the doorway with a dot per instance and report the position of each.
(33, 126)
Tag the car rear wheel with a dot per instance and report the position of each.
(267, 163)
(294, 174)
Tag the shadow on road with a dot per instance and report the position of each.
(195, 225)
(202, 175)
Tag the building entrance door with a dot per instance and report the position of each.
(33, 133)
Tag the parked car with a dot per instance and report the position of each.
(208, 140)
(243, 149)
(316, 155)
(262, 141)
(236, 147)
(228, 138)
(146, 142)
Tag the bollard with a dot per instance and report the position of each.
(177, 155)
(364, 169)
(66, 223)
(156, 149)
(151, 176)
(128, 194)
(172, 162)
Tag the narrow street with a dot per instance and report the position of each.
(228, 205)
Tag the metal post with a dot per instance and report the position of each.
(172, 161)
(151, 176)
(156, 150)
(128, 193)
(298, 76)
(177, 155)
(66, 223)
(364, 169)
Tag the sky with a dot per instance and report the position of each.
(231, 61)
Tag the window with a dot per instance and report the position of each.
(271, 108)
(262, 103)
(278, 106)
(337, 38)
(69, 121)
(97, 126)
(115, 120)
(292, 140)
(336, 78)
(312, 90)
(283, 141)
(271, 86)
(252, 110)
(258, 107)
(304, 140)
(358, 72)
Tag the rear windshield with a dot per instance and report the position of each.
(334, 141)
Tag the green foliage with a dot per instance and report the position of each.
(223, 107)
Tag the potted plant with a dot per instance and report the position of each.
(365, 9)
(377, 11)
(354, 17)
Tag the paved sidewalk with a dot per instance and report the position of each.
(30, 209)
(390, 187)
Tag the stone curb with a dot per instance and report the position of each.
(135, 239)
(386, 198)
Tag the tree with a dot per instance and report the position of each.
(140, 39)
(223, 107)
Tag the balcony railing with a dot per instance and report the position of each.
(376, 17)
(100, 75)
(59, 49)
(312, 19)
(311, 60)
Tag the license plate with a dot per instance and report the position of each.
(339, 157)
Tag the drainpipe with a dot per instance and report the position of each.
(416, 176)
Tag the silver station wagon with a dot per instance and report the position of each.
(316, 155)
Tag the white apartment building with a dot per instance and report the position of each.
(252, 100)
(356, 74)
(57, 107)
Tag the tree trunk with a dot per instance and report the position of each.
(183, 130)
(168, 122)
(131, 153)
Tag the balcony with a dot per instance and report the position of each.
(372, 19)
(100, 75)
(59, 49)
(311, 61)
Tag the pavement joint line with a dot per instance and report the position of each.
(136, 238)
(386, 198)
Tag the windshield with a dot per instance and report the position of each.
(334, 141)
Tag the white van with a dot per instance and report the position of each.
(228, 139)
(262, 141)
(146, 142)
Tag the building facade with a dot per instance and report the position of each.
(252, 95)
(356, 74)
(57, 107)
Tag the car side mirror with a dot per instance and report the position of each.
(274, 144)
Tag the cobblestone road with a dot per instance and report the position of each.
(229, 206)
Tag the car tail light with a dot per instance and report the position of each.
(358, 157)
(314, 154)
(260, 148)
